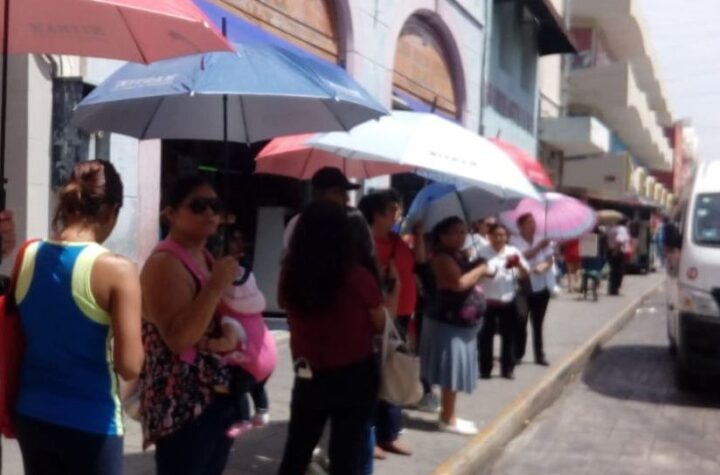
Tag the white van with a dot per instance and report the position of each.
(694, 284)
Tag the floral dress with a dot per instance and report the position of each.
(173, 392)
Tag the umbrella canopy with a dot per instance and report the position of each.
(269, 91)
(141, 31)
(434, 147)
(559, 217)
(609, 216)
(438, 201)
(291, 156)
(135, 30)
(532, 169)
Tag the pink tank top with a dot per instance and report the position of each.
(258, 354)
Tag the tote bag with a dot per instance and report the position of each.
(399, 369)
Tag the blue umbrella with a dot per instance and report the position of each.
(438, 201)
(267, 91)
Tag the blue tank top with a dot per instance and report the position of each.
(67, 376)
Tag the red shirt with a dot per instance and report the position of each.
(343, 335)
(404, 259)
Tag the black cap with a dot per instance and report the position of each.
(328, 178)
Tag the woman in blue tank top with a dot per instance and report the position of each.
(80, 312)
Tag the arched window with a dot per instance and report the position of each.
(310, 24)
(423, 68)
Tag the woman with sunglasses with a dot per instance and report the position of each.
(185, 410)
(77, 300)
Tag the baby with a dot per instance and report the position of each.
(247, 346)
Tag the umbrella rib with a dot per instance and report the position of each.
(334, 114)
(151, 119)
(306, 164)
(134, 39)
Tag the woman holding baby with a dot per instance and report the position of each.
(187, 407)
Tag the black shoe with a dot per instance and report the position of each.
(485, 376)
(508, 375)
(542, 361)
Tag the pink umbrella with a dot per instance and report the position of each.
(559, 218)
(291, 156)
(141, 31)
(529, 165)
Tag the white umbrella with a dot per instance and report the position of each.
(435, 147)
(438, 201)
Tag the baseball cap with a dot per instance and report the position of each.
(328, 177)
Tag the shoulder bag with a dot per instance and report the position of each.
(399, 369)
(12, 347)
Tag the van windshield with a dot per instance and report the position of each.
(707, 219)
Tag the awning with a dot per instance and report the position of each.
(553, 37)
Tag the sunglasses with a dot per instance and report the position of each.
(200, 205)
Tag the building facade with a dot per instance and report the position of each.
(616, 106)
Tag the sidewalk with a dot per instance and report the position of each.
(569, 324)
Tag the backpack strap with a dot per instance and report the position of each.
(10, 291)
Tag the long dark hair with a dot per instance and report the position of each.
(321, 254)
(92, 186)
(441, 229)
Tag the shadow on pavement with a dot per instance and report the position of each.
(643, 373)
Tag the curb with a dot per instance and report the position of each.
(479, 454)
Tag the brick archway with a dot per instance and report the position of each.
(425, 68)
(314, 25)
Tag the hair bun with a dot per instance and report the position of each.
(92, 184)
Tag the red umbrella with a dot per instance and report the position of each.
(133, 30)
(527, 163)
(141, 31)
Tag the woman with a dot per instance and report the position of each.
(185, 408)
(448, 352)
(382, 211)
(73, 296)
(508, 266)
(334, 306)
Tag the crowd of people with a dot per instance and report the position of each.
(187, 330)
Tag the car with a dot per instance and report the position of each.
(693, 265)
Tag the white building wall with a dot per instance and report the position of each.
(373, 30)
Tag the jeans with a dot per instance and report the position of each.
(616, 261)
(259, 396)
(344, 396)
(502, 317)
(244, 384)
(201, 447)
(537, 308)
(49, 449)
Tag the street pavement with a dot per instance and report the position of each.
(570, 322)
(624, 416)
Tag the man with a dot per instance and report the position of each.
(330, 185)
(540, 256)
(382, 210)
(618, 246)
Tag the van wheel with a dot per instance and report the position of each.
(685, 380)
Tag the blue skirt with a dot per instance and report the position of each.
(449, 355)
